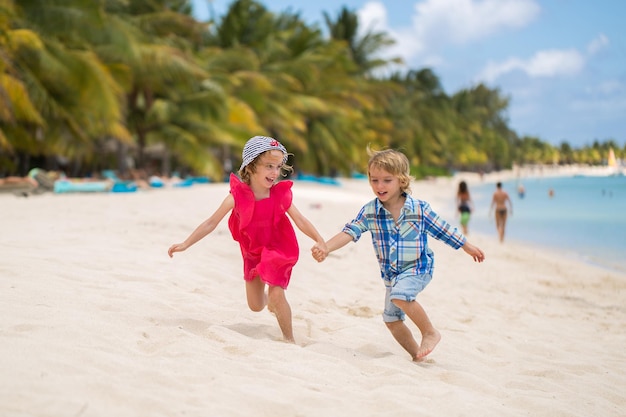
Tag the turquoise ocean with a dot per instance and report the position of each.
(584, 219)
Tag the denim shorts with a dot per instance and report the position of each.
(406, 287)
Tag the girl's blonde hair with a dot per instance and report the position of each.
(250, 169)
(394, 162)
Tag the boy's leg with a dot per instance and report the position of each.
(394, 320)
(255, 294)
(404, 337)
(430, 335)
(277, 304)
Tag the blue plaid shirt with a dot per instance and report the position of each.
(403, 247)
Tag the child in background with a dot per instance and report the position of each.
(464, 205)
(259, 223)
(400, 225)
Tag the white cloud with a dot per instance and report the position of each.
(373, 17)
(555, 62)
(548, 63)
(436, 23)
(599, 43)
(602, 108)
(611, 87)
(607, 88)
(463, 21)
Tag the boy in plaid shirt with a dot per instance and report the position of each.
(400, 225)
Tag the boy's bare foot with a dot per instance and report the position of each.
(429, 341)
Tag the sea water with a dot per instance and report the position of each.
(581, 216)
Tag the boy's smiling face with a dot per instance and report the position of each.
(385, 185)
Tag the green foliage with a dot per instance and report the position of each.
(97, 82)
(423, 172)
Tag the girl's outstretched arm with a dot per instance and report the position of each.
(205, 227)
(307, 228)
(305, 225)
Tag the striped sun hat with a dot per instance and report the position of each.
(259, 144)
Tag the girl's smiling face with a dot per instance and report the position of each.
(267, 170)
(385, 185)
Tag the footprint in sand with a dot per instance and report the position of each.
(362, 311)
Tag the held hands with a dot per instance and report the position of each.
(319, 251)
(474, 252)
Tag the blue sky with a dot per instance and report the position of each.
(562, 63)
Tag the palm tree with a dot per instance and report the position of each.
(65, 81)
(421, 116)
(264, 62)
(364, 50)
(482, 115)
(18, 114)
(170, 101)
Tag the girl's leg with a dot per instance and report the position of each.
(430, 335)
(277, 304)
(255, 293)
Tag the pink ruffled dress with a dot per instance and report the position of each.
(265, 234)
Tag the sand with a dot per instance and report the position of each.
(97, 320)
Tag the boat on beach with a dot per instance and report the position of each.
(612, 168)
(81, 186)
(615, 167)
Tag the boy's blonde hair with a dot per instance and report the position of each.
(394, 162)
(250, 169)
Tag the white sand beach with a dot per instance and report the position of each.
(97, 320)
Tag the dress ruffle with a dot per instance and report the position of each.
(244, 201)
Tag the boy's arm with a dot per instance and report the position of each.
(338, 241)
(440, 229)
(474, 252)
(341, 239)
(320, 252)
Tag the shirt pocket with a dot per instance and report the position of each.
(410, 231)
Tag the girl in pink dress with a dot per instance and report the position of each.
(259, 206)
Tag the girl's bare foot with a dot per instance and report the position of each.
(429, 341)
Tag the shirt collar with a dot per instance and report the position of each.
(408, 204)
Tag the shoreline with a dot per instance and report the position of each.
(532, 172)
(528, 225)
